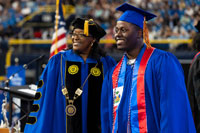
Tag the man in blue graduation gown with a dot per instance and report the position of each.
(145, 91)
(68, 95)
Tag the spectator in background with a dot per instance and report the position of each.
(3, 51)
(193, 86)
(180, 32)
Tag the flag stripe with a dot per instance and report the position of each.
(60, 32)
(59, 49)
(62, 36)
(60, 43)
(59, 40)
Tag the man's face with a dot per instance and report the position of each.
(125, 35)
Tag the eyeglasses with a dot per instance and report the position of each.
(123, 30)
(79, 35)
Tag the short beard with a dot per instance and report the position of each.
(122, 49)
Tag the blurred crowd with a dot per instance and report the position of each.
(14, 11)
(175, 18)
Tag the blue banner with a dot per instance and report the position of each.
(19, 78)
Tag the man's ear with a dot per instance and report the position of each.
(139, 33)
(93, 40)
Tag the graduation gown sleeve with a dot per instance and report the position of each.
(43, 106)
(176, 116)
(194, 80)
(193, 88)
(106, 104)
(108, 63)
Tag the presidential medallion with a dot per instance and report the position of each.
(70, 110)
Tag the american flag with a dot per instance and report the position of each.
(59, 37)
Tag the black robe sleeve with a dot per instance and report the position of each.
(193, 88)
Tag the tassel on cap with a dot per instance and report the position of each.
(146, 34)
(86, 27)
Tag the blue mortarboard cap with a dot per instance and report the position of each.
(134, 15)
